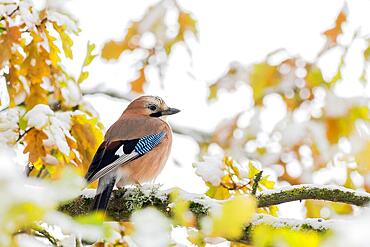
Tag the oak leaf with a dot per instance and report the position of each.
(333, 33)
(89, 135)
(34, 140)
(137, 85)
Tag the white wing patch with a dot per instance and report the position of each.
(112, 166)
(120, 152)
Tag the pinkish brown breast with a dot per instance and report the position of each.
(147, 167)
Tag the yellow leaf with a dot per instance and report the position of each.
(54, 50)
(313, 208)
(218, 192)
(37, 95)
(212, 94)
(235, 244)
(196, 237)
(88, 59)
(24, 214)
(88, 135)
(180, 210)
(263, 76)
(252, 171)
(66, 40)
(8, 37)
(234, 217)
(114, 49)
(35, 66)
(314, 77)
(343, 126)
(332, 33)
(341, 208)
(38, 164)
(83, 76)
(266, 236)
(363, 159)
(14, 85)
(137, 85)
(34, 140)
(267, 183)
(186, 23)
(89, 56)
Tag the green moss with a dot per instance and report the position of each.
(77, 207)
(124, 202)
(303, 193)
(308, 227)
(198, 209)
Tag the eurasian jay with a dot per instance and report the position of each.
(135, 148)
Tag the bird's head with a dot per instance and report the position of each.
(152, 106)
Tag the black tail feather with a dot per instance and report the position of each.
(103, 193)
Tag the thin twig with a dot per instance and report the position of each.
(20, 136)
(10, 14)
(40, 172)
(28, 169)
(256, 180)
(42, 231)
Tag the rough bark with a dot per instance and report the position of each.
(315, 192)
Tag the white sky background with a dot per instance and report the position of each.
(244, 31)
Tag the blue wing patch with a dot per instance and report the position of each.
(147, 143)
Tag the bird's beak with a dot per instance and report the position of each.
(170, 111)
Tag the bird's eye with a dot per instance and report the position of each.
(152, 107)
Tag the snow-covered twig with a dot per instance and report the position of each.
(316, 224)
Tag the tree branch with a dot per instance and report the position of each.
(317, 192)
(198, 135)
(99, 89)
(124, 201)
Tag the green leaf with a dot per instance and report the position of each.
(22, 123)
(218, 192)
(88, 59)
(252, 171)
(67, 42)
(24, 214)
(367, 52)
(235, 215)
(83, 76)
(314, 77)
(264, 236)
(95, 218)
(89, 56)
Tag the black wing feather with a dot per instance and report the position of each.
(102, 197)
(106, 154)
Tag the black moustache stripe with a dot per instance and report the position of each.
(156, 114)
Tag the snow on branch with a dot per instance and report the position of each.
(316, 224)
(126, 200)
(310, 191)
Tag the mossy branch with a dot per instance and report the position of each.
(316, 192)
(125, 201)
